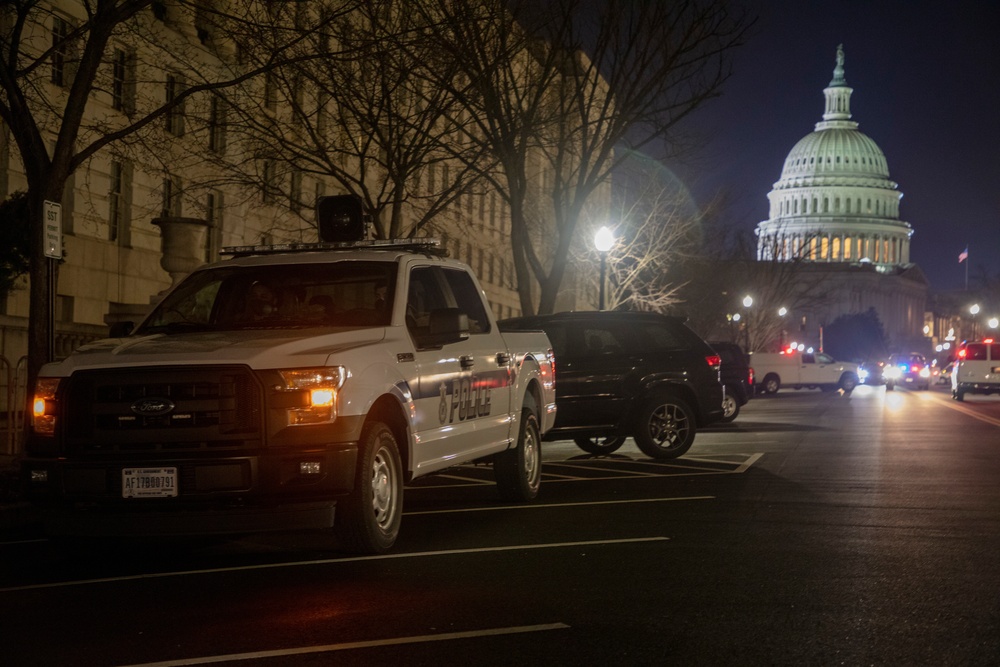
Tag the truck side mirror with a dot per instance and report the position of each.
(446, 325)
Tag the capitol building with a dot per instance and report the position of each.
(835, 211)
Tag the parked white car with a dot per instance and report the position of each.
(802, 370)
(976, 369)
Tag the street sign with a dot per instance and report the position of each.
(52, 213)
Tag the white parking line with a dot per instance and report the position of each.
(549, 505)
(333, 561)
(417, 639)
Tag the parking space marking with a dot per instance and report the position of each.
(347, 646)
(334, 561)
(493, 508)
(615, 467)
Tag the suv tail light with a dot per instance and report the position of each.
(714, 360)
(750, 376)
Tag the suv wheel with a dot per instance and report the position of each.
(600, 445)
(730, 408)
(665, 427)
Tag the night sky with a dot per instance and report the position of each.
(926, 80)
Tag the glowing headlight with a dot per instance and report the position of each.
(925, 372)
(318, 388)
(892, 372)
(43, 406)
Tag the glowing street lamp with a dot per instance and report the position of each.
(994, 323)
(747, 302)
(603, 240)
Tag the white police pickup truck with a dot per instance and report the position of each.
(283, 386)
(808, 370)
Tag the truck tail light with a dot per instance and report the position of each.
(714, 360)
(750, 376)
(44, 407)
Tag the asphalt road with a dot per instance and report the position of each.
(817, 529)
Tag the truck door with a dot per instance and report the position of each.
(462, 392)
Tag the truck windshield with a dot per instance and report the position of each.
(337, 294)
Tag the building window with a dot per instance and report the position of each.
(172, 190)
(61, 52)
(268, 181)
(213, 216)
(295, 191)
(123, 81)
(270, 92)
(116, 200)
(174, 117)
(217, 119)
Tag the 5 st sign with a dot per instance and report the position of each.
(52, 214)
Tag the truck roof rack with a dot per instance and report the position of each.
(427, 245)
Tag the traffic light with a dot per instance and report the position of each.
(341, 219)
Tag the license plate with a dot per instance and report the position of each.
(149, 482)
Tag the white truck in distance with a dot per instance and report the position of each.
(289, 387)
(802, 370)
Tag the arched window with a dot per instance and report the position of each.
(836, 247)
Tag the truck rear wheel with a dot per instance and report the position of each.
(771, 384)
(665, 427)
(518, 471)
(367, 521)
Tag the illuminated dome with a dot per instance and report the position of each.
(835, 201)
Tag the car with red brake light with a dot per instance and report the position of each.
(976, 369)
(908, 370)
(629, 374)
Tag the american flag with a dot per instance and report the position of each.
(964, 255)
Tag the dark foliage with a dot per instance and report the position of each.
(857, 337)
(14, 240)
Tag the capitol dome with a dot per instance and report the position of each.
(835, 201)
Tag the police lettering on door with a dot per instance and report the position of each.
(469, 398)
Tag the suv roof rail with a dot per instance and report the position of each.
(427, 245)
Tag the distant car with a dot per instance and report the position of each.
(976, 369)
(944, 372)
(871, 372)
(909, 370)
(737, 378)
(628, 374)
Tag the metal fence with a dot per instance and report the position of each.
(13, 378)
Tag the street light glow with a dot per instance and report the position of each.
(994, 323)
(781, 311)
(747, 301)
(604, 239)
(975, 309)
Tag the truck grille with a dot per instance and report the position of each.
(157, 409)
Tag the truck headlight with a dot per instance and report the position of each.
(44, 407)
(313, 393)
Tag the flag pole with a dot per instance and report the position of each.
(966, 267)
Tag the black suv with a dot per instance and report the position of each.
(621, 374)
(737, 378)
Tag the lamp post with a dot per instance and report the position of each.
(781, 336)
(747, 302)
(603, 241)
(974, 311)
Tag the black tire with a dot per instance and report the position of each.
(367, 521)
(665, 427)
(848, 381)
(730, 408)
(518, 471)
(959, 395)
(889, 385)
(600, 445)
(771, 384)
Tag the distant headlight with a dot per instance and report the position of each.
(892, 372)
(925, 372)
(862, 374)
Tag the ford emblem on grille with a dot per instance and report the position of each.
(152, 407)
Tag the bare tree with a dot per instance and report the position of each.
(559, 87)
(58, 61)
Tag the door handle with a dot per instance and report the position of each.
(467, 361)
(503, 358)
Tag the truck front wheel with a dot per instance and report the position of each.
(367, 521)
(518, 471)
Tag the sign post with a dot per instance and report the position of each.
(52, 224)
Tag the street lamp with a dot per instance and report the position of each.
(747, 302)
(974, 310)
(603, 241)
(781, 337)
